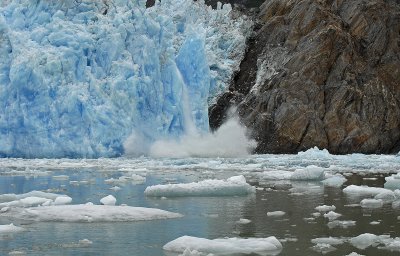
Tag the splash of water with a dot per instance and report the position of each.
(229, 140)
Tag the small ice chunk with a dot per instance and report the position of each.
(396, 204)
(327, 240)
(323, 248)
(275, 213)
(276, 175)
(332, 215)
(341, 223)
(386, 196)
(354, 254)
(137, 179)
(60, 177)
(325, 208)
(311, 172)
(393, 182)
(316, 214)
(115, 188)
(371, 203)
(16, 253)
(364, 240)
(225, 246)
(62, 200)
(4, 209)
(11, 228)
(33, 200)
(364, 190)
(108, 200)
(234, 186)
(85, 242)
(243, 221)
(335, 181)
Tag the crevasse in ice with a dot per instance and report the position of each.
(78, 77)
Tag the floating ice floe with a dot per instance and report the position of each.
(88, 213)
(234, 186)
(325, 208)
(134, 178)
(60, 177)
(361, 191)
(323, 248)
(33, 198)
(354, 254)
(108, 200)
(310, 172)
(335, 181)
(243, 221)
(341, 223)
(393, 182)
(14, 197)
(327, 240)
(332, 215)
(276, 213)
(365, 240)
(226, 246)
(371, 203)
(11, 228)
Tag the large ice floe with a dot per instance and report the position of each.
(77, 78)
(233, 186)
(42, 206)
(88, 213)
(225, 246)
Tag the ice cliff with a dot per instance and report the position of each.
(78, 77)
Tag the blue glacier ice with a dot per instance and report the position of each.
(77, 78)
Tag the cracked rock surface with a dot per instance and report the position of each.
(320, 73)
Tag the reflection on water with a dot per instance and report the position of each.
(208, 217)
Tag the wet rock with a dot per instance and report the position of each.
(320, 73)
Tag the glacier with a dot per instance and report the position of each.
(77, 78)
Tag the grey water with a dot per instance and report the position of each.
(206, 217)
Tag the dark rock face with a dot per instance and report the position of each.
(321, 73)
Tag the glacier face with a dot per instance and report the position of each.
(78, 77)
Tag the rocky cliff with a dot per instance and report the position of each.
(322, 73)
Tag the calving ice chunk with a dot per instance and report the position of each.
(78, 77)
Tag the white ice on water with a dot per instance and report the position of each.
(353, 163)
(11, 228)
(354, 190)
(371, 203)
(225, 246)
(108, 200)
(393, 181)
(88, 213)
(363, 241)
(233, 186)
(33, 198)
(276, 213)
(325, 208)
